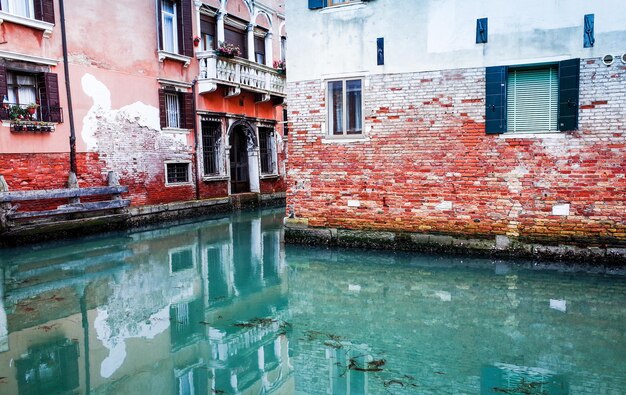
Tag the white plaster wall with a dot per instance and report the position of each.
(425, 35)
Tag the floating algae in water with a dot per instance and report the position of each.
(372, 366)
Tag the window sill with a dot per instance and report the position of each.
(340, 7)
(175, 130)
(174, 56)
(46, 27)
(178, 184)
(531, 135)
(345, 139)
(269, 176)
(215, 178)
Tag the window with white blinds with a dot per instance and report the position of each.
(532, 99)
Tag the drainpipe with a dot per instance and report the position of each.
(70, 109)
(195, 138)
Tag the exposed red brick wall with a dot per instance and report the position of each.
(426, 149)
(213, 189)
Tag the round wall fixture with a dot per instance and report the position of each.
(624, 58)
(608, 60)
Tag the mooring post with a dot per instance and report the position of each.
(72, 182)
(4, 207)
(114, 181)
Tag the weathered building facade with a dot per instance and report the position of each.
(459, 124)
(152, 97)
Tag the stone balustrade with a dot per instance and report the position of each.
(237, 74)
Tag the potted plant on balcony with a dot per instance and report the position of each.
(280, 66)
(227, 50)
(17, 112)
(32, 108)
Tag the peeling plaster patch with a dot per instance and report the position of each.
(130, 136)
(116, 343)
(513, 179)
(83, 59)
(561, 209)
(444, 206)
(354, 287)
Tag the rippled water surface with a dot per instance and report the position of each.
(220, 307)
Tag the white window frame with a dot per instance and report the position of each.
(189, 182)
(174, 16)
(8, 6)
(172, 110)
(177, 250)
(329, 117)
(511, 71)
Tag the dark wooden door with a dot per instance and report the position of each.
(239, 174)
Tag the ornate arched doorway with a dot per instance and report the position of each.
(244, 167)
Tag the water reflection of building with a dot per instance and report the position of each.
(149, 312)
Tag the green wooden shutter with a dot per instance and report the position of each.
(495, 100)
(532, 99)
(569, 79)
(315, 4)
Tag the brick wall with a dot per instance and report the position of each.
(428, 166)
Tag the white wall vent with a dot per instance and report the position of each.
(608, 59)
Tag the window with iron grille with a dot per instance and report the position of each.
(266, 150)
(211, 132)
(172, 108)
(177, 173)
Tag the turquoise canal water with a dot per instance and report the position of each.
(221, 307)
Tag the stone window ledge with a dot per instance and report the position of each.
(519, 135)
(215, 178)
(340, 7)
(345, 140)
(186, 60)
(269, 176)
(175, 130)
(46, 27)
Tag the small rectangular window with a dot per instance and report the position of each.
(207, 35)
(266, 150)
(23, 8)
(172, 106)
(170, 29)
(210, 147)
(345, 94)
(532, 99)
(181, 259)
(177, 173)
(259, 50)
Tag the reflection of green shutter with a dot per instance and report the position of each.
(532, 100)
(69, 363)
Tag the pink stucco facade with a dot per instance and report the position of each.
(140, 105)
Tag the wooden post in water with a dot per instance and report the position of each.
(114, 181)
(4, 207)
(72, 182)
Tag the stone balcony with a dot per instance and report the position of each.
(239, 74)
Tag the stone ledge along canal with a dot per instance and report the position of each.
(219, 306)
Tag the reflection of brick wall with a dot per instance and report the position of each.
(438, 317)
(428, 165)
